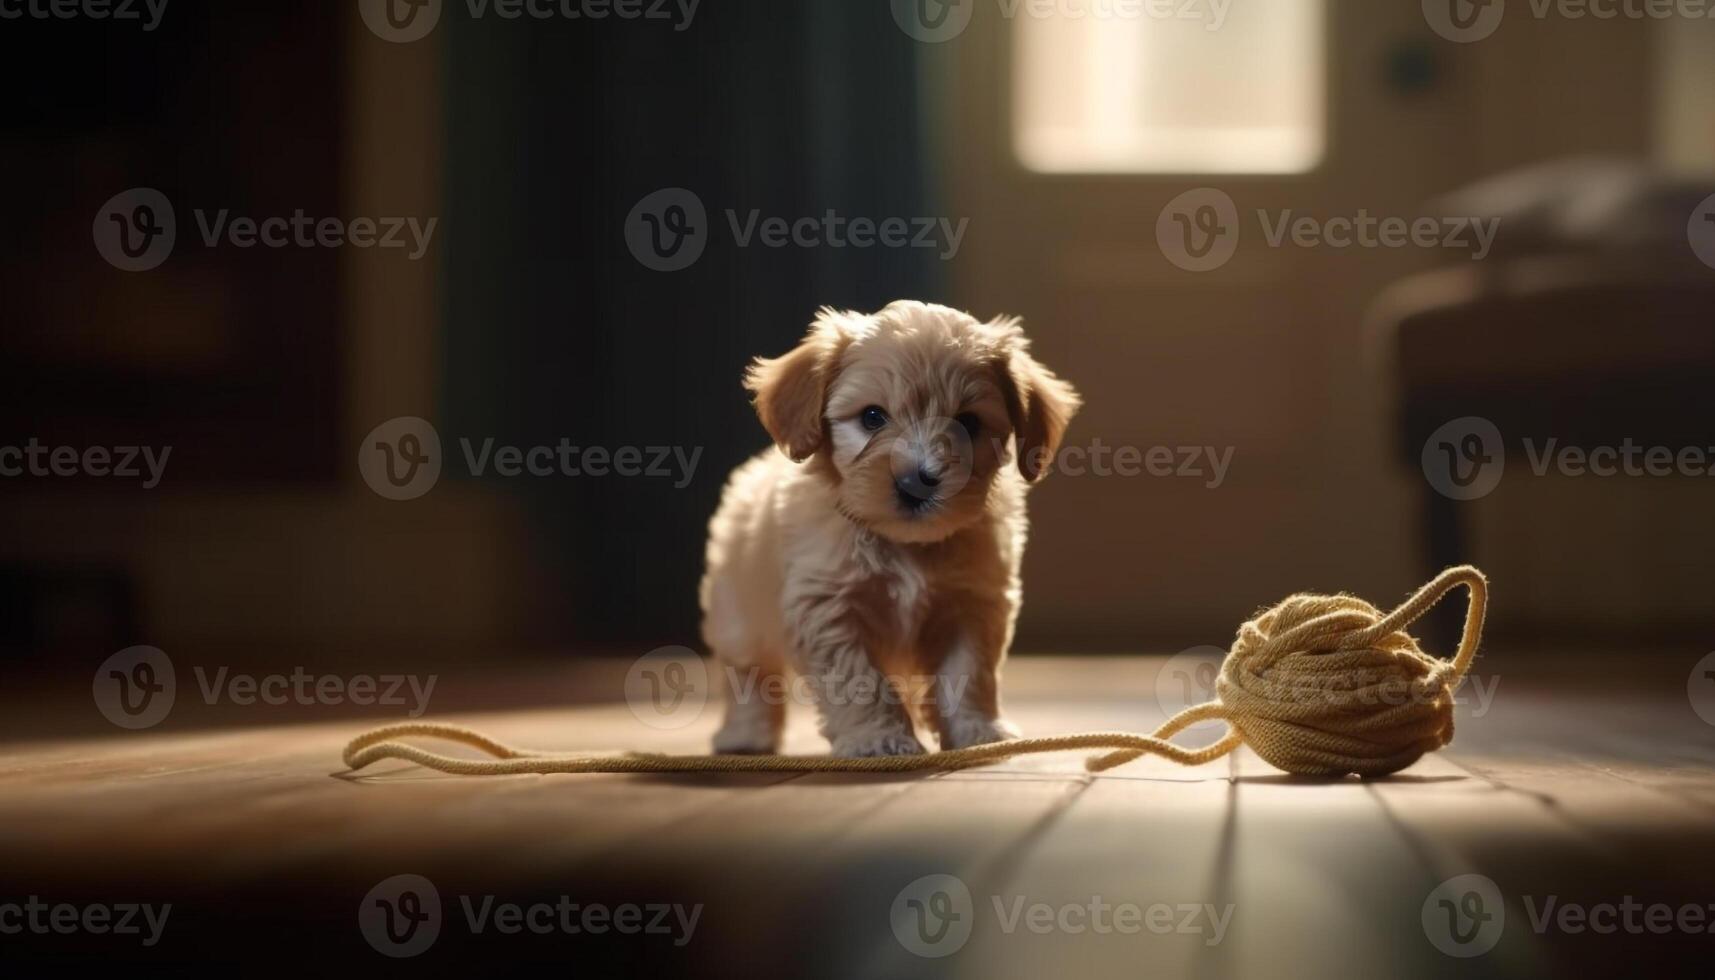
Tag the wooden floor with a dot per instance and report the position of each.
(1567, 787)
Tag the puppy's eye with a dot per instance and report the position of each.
(873, 418)
(972, 425)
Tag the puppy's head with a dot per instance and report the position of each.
(913, 412)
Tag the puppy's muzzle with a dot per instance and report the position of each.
(917, 488)
(931, 462)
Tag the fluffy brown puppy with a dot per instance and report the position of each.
(875, 552)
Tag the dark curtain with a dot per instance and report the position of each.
(555, 129)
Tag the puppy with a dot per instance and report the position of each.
(881, 539)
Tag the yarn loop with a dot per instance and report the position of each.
(1317, 685)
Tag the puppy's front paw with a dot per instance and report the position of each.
(868, 744)
(962, 733)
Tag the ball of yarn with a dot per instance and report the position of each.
(1326, 685)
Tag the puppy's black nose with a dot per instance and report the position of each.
(917, 488)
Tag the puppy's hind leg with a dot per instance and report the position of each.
(755, 693)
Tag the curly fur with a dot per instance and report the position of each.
(887, 597)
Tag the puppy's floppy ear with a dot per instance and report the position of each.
(1038, 402)
(791, 389)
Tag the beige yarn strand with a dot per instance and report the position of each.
(1317, 685)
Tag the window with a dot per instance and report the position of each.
(1182, 87)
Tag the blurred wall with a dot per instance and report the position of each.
(1270, 356)
(529, 321)
(259, 564)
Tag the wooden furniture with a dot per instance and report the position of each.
(1590, 350)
